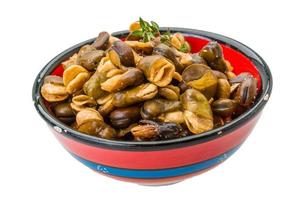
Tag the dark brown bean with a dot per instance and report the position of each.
(91, 59)
(246, 92)
(123, 117)
(213, 55)
(121, 54)
(64, 113)
(101, 42)
(155, 107)
(224, 107)
(108, 132)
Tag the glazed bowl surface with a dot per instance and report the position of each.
(170, 161)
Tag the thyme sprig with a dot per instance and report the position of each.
(148, 30)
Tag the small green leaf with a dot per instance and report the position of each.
(148, 30)
(147, 24)
(138, 33)
(149, 36)
(155, 26)
(142, 23)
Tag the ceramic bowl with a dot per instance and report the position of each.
(171, 161)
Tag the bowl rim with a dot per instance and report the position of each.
(255, 58)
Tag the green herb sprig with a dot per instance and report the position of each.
(148, 30)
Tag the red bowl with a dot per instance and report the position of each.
(163, 162)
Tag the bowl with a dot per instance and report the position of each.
(170, 161)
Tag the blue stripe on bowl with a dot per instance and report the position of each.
(152, 174)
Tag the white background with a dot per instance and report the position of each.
(33, 165)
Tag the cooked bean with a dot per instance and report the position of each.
(64, 113)
(53, 89)
(135, 95)
(101, 42)
(157, 69)
(155, 107)
(123, 117)
(213, 55)
(121, 54)
(224, 107)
